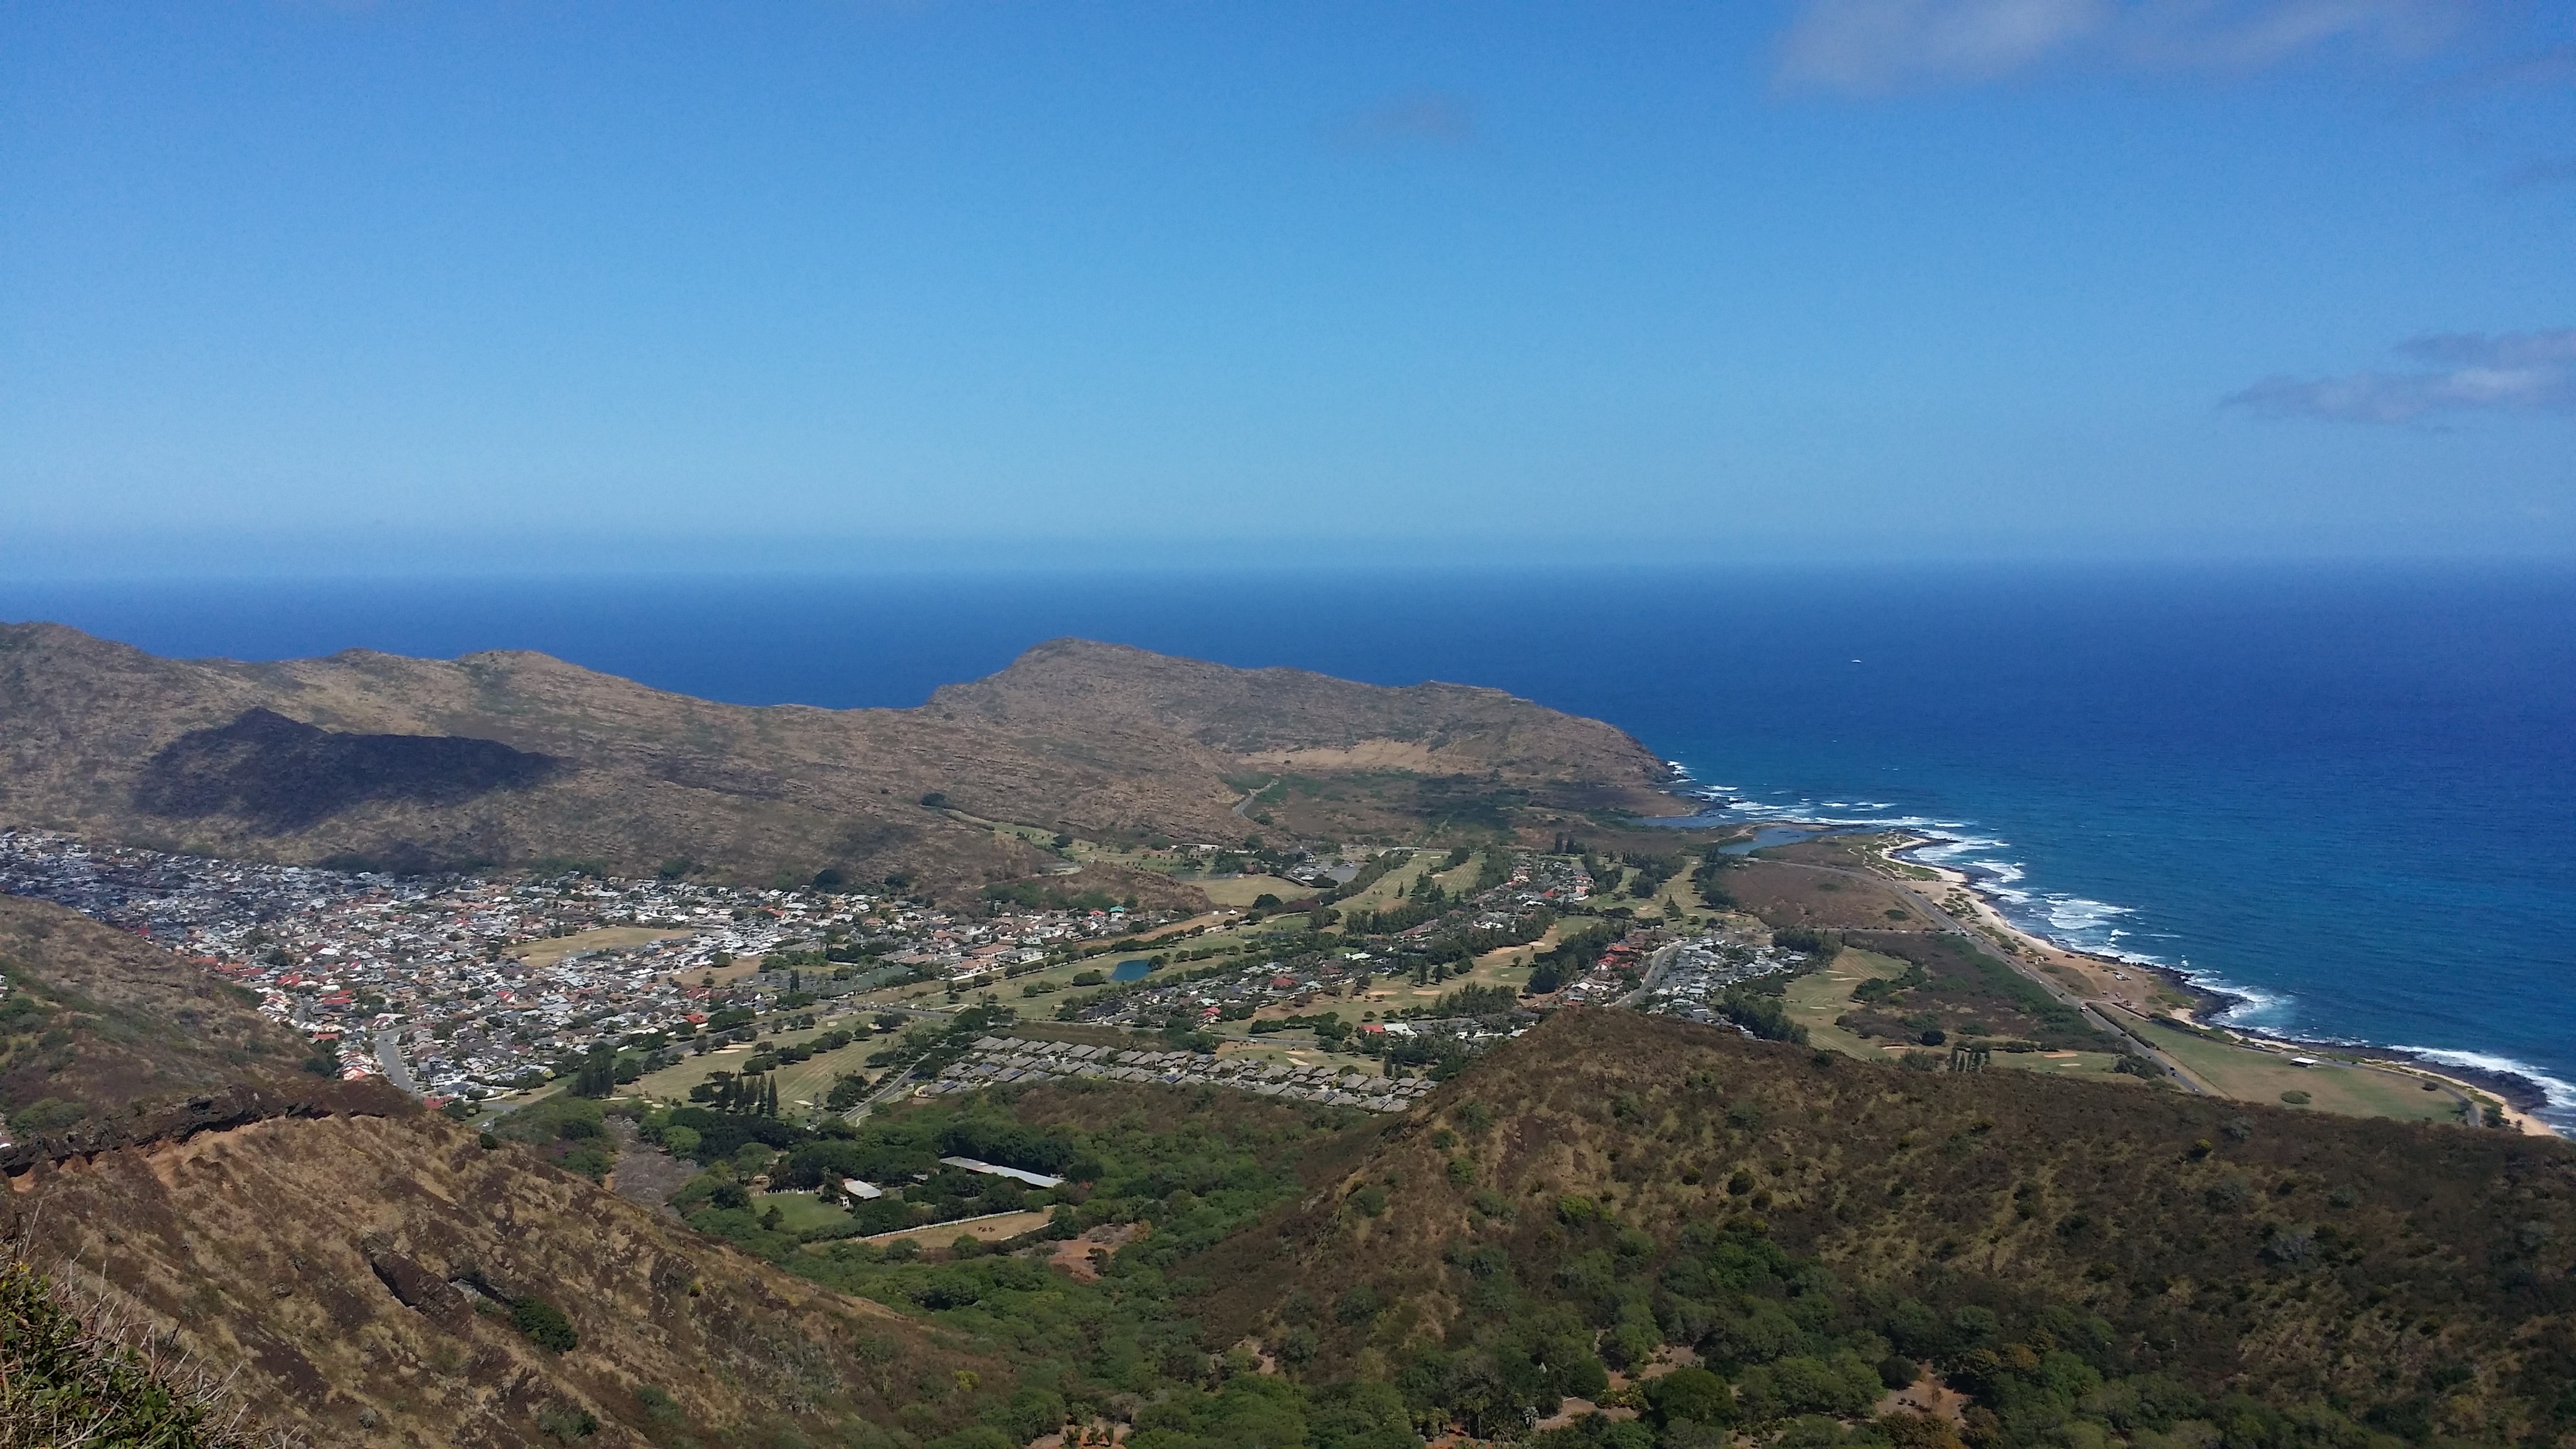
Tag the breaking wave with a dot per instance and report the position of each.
(2558, 1111)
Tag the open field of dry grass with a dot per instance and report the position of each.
(555, 948)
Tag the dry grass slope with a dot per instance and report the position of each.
(351, 1266)
(354, 1258)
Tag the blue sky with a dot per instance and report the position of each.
(406, 286)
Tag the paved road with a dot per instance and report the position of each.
(2063, 996)
(1656, 966)
(1243, 806)
(892, 1087)
(389, 1056)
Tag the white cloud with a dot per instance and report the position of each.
(1875, 45)
(1870, 46)
(2514, 372)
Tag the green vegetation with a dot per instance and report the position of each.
(2089, 1264)
(1040, 895)
(68, 1376)
(544, 1324)
(570, 1132)
(1952, 985)
(1171, 1173)
(47, 1114)
(1578, 949)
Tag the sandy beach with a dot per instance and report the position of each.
(2145, 990)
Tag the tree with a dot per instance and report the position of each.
(1694, 1394)
(597, 1075)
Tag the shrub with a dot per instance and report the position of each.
(544, 1324)
(659, 1407)
(47, 1114)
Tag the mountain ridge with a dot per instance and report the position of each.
(1105, 741)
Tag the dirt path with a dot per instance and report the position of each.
(645, 1173)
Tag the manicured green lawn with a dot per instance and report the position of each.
(2256, 1076)
(800, 1211)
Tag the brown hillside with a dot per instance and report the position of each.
(2412, 1272)
(352, 1267)
(511, 758)
(1270, 718)
(105, 1040)
(347, 1256)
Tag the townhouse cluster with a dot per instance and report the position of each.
(997, 1061)
(1689, 979)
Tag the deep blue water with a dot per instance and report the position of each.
(2345, 793)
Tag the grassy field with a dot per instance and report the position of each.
(809, 1080)
(1391, 888)
(1787, 894)
(1503, 966)
(801, 1211)
(555, 948)
(1460, 880)
(1242, 890)
(1506, 967)
(1815, 999)
(2096, 1065)
(2258, 1076)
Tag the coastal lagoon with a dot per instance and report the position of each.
(2342, 794)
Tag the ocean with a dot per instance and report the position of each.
(2342, 794)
